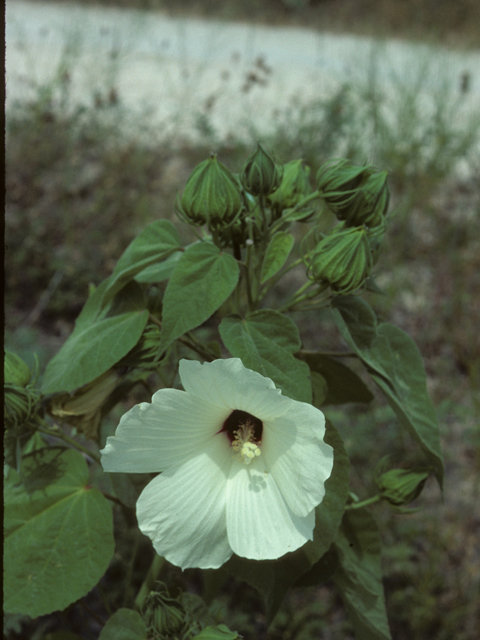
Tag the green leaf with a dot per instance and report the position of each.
(278, 250)
(159, 271)
(265, 342)
(272, 578)
(343, 385)
(155, 243)
(395, 365)
(219, 632)
(359, 577)
(92, 349)
(202, 280)
(125, 624)
(356, 317)
(58, 539)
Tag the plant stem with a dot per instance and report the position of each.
(152, 575)
(281, 221)
(190, 341)
(62, 436)
(297, 297)
(278, 276)
(363, 503)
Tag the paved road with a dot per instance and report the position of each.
(171, 72)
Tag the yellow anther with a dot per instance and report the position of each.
(244, 443)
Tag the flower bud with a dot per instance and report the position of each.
(338, 180)
(370, 203)
(294, 187)
(399, 487)
(164, 615)
(211, 195)
(22, 406)
(358, 195)
(15, 370)
(342, 260)
(261, 176)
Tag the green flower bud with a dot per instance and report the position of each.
(16, 371)
(164, 615)
(358, 195)
(399, 487)
(261, 176)
(21, 406)
(342, 260)
(211, 196)
(338, 181)
(294, 187)
(370, 203)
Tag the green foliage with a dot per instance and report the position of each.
(395, 365)
(220, 632)
(359, 577)
(278, 250)
(265, 342)
(339, 384)
(91, 351)
(155, 243)
(133, 329)
(125, 624)
(58, 534)
(202, 280)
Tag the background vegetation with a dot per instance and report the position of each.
(78, 191)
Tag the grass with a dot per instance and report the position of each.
(78, 191)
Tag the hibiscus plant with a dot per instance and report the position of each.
(236, 469)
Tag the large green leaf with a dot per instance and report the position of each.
(343, 385)
(155, 243)
(265, 342)
(58, 537)
(92, 349)
(202, 280)
(278, 250)
(159, 271)
(395, 364)
(272, 578)
(359, 577)
(358, 317)
(125, 624)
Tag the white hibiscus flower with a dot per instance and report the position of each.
(243, 467)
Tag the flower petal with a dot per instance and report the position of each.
(297, 457)
(260, 525)
(183, 510)
(153, 437)
(229, 384)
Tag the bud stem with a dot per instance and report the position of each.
(149, 582)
